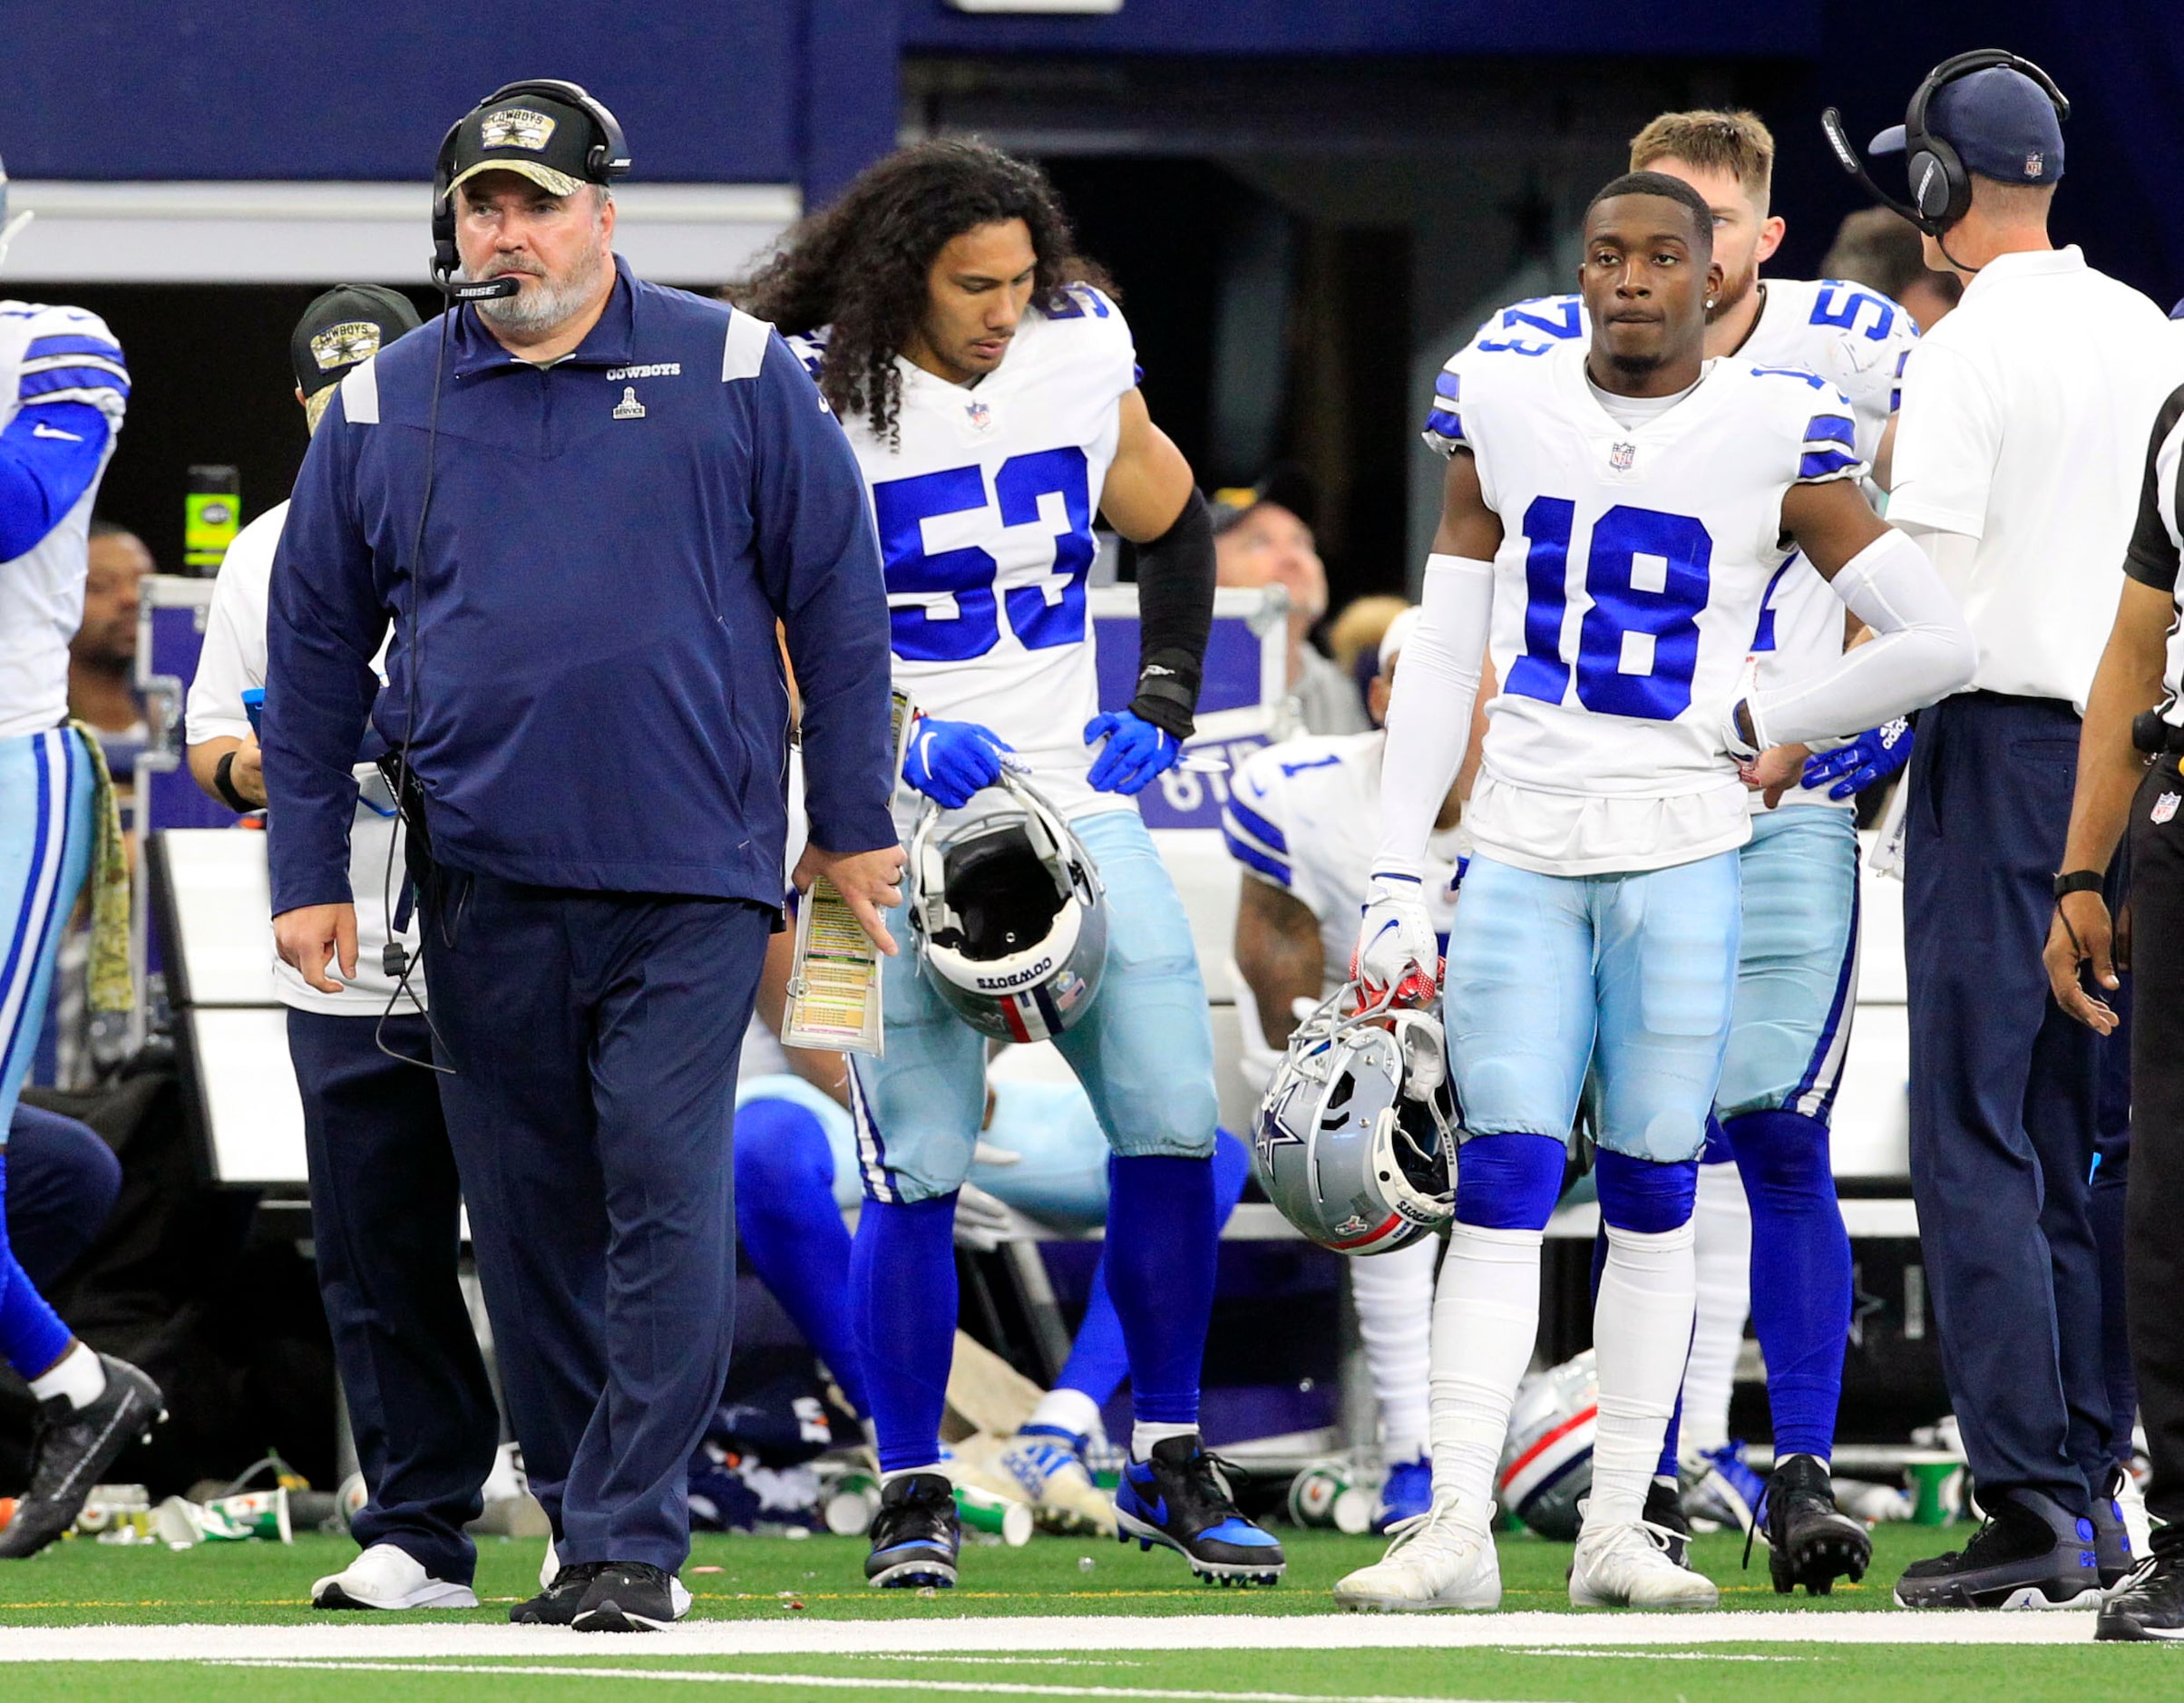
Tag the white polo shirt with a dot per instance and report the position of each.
(2023, 426)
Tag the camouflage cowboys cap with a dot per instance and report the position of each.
(346, 324)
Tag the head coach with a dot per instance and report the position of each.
(584, 502)
(2018, 450)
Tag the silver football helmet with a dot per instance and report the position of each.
(1355, 1139)
(1546, 1466)
(1007, 913)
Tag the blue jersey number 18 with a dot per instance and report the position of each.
(1638, 645)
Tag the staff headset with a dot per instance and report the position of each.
(605, 161)
(1941, 185)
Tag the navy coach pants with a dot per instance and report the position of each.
(594, 1039)
(2005, 1095)
(385, 1221)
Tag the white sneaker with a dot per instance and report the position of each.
(1438, 1561)
(1630, 1566)
(386, 1577)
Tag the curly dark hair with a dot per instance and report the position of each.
(861, 265)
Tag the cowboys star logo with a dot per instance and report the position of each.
(345, 344)
(515, 127)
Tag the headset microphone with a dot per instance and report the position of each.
(1845, 153)
(484, 290)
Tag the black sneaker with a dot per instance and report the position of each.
(915, 1534)
(558, 1603)
(1180, 1499)
(2112, 1537)
(631, 1597)
(1664, 1513)
(72, 1450)
(2149, 1607)
(2030, 1554)
(1809, 1540)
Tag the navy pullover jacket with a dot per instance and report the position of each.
(600, 698)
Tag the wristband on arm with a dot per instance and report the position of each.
(223, 783)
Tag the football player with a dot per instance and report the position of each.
(1303, 821)
(989, 388)
(63, 389)
(1776, 1236)
(1614, 512)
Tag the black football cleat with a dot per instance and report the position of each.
(1664, 1513)
(2032, 1553)
(2149, 1607)
(72, 1450)
(631, 1597)
(915, 1534)
(1809, 1540)
(2111, 1538)
(1180, 1500)
(558, 1603)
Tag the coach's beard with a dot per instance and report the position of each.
(537, 308)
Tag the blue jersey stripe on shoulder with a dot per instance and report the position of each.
(1830, 428)
(1273, 869)
(71, 378)
(1822, 463)
(1443, 424)
(1449, 384)
(1259, 828)
(41, 348)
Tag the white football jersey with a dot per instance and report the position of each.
(1634, 566)
(1305, 816)
(984, 508)
(42, 590)
(1856, 338)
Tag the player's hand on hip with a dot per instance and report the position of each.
(950, 761)
(2080, 934)
(308, 936)
(1871, 757)
(870, 880)
(1773, 772)
(1397, 952)
(1134, 752)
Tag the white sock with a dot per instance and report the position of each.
(1723, 1219)
(1070, 1410)
(1145, 1434)
(77, 1375)
(1642, 1330)
(905, 1472)
(1486, 1316)
(1394, 1296)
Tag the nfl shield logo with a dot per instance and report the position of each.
(1621, 456)
(2165, 805)
(2035, 165)
(980, 416)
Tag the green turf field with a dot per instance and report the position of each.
(782, 1591)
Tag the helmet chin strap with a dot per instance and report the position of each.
(12, 230)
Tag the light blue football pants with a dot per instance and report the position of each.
(46, 787)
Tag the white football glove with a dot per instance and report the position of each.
(1397, 950)
(983, 1221)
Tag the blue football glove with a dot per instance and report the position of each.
(950, 761)
(1134, 752)
(1871, 756)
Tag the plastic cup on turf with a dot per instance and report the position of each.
(982, 1511)
(256, 1514)
(1932, 1503)
(1314, 1492)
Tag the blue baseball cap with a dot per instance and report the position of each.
(2000, 122)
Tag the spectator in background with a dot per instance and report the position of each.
(1354, 636)
(1260, 539)
(1883, 251)
(101, 656)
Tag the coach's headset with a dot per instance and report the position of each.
(1941, 186)
(606, 159)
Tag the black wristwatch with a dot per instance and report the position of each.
(224, 785)
(2078, 881)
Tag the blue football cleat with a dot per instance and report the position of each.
(1407, 1493)
(1721, 1490)
(1180, 1499)
(915, 1534)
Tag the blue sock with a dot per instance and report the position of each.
(32, 1337)
(1160, 1261)
(1098, 1362)
(788, 1223)
(1801, 1274)
(1508, 1181)
(903, 1302)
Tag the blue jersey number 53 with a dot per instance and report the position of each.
(963, 620)
(1658, 608)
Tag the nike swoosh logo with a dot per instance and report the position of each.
(43, 430)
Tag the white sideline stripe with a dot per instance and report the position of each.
(837, 1682)
(1077, 1634)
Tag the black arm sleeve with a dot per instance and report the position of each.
(2153, 557)
(1175, 618)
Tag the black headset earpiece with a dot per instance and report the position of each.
(1941, 186)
